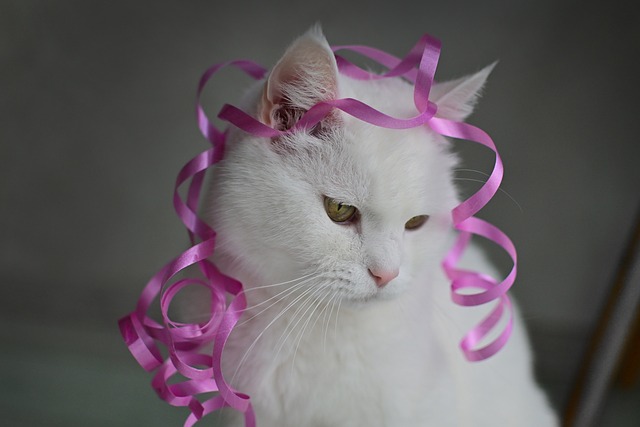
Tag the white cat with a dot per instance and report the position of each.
(338, 234)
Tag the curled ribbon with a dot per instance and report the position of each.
(184, 342)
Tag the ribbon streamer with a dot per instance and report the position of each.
(184, 341)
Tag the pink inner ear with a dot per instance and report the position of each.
(304, 76)
(283, 117)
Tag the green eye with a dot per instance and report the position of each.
(416, 222)
(339, 212)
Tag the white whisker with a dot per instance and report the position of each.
(306, 323)
(324, 308)
(499, 189)
(255, 341)
(279, 296)
(255, 288)
(328, 322)
(291, 326)
(470, 170)
(335, 332)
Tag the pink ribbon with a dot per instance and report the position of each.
(185, 341)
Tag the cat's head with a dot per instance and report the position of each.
(356, 209)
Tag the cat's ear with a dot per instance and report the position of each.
(305, 75)
(457, 98)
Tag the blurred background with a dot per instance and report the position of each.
(96, 106)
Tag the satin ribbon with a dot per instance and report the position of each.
(185, 341)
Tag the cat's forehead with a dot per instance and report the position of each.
(373, 168)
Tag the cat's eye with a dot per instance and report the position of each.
(416, 222)
(339, 212)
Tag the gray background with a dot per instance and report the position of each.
(96, 106)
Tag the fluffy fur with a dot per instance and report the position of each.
(321, 344)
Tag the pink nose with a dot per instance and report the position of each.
(383, 277)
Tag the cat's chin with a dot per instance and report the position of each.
(367, 301)
(379, 296)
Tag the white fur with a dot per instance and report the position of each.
(324, 346)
